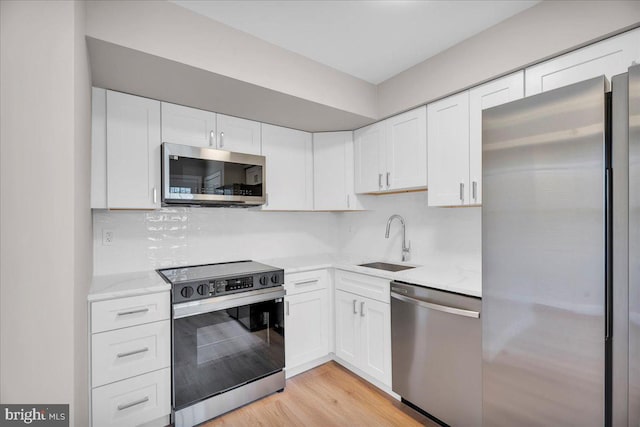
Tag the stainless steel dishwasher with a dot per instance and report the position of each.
(436, 339)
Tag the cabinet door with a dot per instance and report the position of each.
(133, 152)
(307, 327)
(375, 339)
(448, 150)
(188, 126)
(369, 158)
(497, 92)
(239, 135)
(98, 148)
(609, 57)
(289, 168)
(406, 150)
(347, 326)
(330, 163)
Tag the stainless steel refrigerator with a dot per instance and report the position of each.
(561, 257)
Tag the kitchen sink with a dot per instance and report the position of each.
(386, 266)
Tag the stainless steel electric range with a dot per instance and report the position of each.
(227, 337)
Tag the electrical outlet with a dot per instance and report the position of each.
(107, 237)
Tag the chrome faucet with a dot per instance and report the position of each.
(406, 246)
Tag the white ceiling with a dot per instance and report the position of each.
(371, 40)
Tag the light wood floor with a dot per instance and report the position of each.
(328, 395)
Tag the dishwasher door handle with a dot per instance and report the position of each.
(443, 308)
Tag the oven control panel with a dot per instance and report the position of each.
(200, 289)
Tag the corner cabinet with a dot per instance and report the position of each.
(333, 172)
(609, 57)
(392, 155)
(289, 179)
(132, 152)
(363, 324)
(455, 140)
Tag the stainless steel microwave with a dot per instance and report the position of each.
(209, 177)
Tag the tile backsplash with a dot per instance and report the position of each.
(144, 240)
(186, 236)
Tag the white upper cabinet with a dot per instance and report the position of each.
(188, 126)
(448, 150)
(494, 93)
(406, 150)
(133, 152)
(289, 175)
(392, 155)
(609, 57)
(370, 159)
(333, 171)
(98, 148)
(239, 135)
(455, 140)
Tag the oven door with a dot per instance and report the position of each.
(224, 342)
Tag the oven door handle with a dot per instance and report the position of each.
(209, 305)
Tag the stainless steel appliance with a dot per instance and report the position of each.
(209, 177)
(436, 360)
(227, 337)
(555, 224)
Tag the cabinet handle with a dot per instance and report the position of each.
(125, 313)
(462, 192)
(380, 181)
(266, 199)
(361, 308)
(287, 307)
(212, 138)
(474, 189)
(306, 282)
(355, 310)
(155, 195)
(388, 175)
(134, 403)
(348, 202)
(131, 353)
(221, 139)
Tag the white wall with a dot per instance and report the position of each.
(544, 30)
(450, 235)
(186, 236)
(169, 31)
(83, 251)
(44, 215)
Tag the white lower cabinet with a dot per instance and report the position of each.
(131, 361)
(363, 329)
(306, 319)
(133, 401)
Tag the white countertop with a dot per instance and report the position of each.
(126, 284)
(438, 274)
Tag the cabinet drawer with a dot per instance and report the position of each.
(133, 401)
(307, 281)
(131, 311)
(364, 285)
(121, 354)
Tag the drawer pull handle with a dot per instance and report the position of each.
(306, 282)
(131, 353)
(126, 313)
(135, 403)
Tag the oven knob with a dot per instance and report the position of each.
(263, 280)
(186, 292)
(203, 289)
(274, 278)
